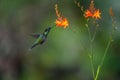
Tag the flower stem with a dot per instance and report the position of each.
(94, 34)
(91, 53)
(106, 50)
(103, 58)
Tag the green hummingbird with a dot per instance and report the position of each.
(41, 38)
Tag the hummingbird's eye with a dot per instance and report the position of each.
(45, 30)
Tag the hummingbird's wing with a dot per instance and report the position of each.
(37, 42)
(35, 35)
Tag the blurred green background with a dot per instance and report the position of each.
(64, 56)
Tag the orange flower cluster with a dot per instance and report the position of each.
(92, 12)
(60, 21)
(111, 12)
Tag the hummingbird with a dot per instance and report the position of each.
(40, 38)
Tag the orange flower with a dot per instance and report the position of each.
(60, 21)
(88, 13)
(111, 12)
(96, 14)
(92, 12)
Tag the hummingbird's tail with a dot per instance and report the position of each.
(34, 45)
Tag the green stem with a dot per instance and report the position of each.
(106, 51)
(91, 58)
(89, 32)
(97, 73)
(92, 38)
(103, 58)
(94, 34)
(91, 53)
(92, 66)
